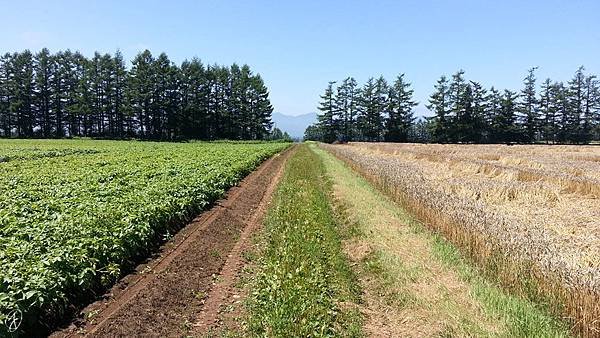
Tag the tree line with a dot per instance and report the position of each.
(68, 95)
(375, 111)
(464, 111)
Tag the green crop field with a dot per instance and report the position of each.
(74, 213)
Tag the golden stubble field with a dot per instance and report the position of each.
(529, 215)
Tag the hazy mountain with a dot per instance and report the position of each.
(294, 125)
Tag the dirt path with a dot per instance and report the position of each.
(181, 292)
(225, 294)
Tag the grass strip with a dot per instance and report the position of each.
(306, 287)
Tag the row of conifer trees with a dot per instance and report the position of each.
(66, 95)
(463, 111)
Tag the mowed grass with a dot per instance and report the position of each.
(416, 283)
(305, 287)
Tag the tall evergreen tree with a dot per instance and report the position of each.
(492, 115)
(22, 87)
(346, 101)
(505, 124)
(479, 107)
(6, 75)
(561, 104)
(261, 109)
(439, 103)
(460, 98)
(194, 96)
(164, 98)
(401, 116)
(370, 109)
(71, 64)
(121, 115)
(548, 110)
(244, 103)
(576, 103)
(140, 91)
(528, 107)
(218, 101)
(235, 104)
(465, 124)
(327, 119)
(60, 90)
(44, 69)
(590, 108)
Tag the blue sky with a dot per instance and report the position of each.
(298, 46)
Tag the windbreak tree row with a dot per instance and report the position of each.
(374, 112)
(68, 95)
(463, 112)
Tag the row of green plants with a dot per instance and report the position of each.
(70, 225)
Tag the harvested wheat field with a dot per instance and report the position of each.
(527, 215)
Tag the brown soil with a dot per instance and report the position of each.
(223, 307)
(181, 292)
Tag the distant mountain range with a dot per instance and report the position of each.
(294, 125)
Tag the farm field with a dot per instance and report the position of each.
(528, 215)
(300, 169)
(414, 282)
(75, 214)
(359, 239)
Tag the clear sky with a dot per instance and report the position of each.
(298, 46)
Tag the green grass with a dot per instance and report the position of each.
(306, 287)
(523, 318)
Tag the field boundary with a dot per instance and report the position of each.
(218, 294)
(305, 285)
